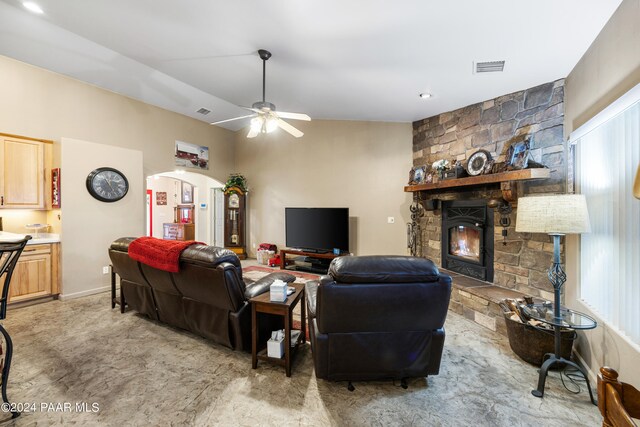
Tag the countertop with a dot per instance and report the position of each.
(42, 238)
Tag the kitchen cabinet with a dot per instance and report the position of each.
(37, 273)
(22, 178)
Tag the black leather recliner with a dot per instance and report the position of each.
(208, 296)
(378, 317)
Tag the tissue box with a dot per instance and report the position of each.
(275, 348)
(278, 291)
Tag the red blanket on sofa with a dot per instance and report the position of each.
(159, 253)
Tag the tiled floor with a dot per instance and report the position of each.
(140, 372)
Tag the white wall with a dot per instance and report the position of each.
(360, 165)
(88, 225)
(43, 104)
(163, 213)
(202, 186)
(609, 68)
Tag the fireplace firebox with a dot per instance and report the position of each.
(467, 238)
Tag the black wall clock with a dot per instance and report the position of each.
(107, 184)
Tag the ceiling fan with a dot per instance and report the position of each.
(265, 117)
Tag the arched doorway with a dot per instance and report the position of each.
(168, 190)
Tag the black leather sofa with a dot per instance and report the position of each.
(378, 317)
(207, 297)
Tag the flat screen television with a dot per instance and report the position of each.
(319, 229)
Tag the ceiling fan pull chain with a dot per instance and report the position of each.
(264, 77)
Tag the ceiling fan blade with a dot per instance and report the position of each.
(255, 110)
(294, 116)
(253, 133)
(230, 120)
(288, 128)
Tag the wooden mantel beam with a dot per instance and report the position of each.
(507, 180)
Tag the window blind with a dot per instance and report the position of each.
(607, 157)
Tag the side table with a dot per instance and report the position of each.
(114, 299)
(262, 304)
(567, 319)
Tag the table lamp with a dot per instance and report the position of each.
(636, 185)
(556, 216)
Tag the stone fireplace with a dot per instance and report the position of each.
(515, 261)
(467, 238)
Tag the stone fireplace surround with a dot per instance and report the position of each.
(520, 266)
(520, 261)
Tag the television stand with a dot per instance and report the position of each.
(297, 252)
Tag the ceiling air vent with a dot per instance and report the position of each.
(489, 67)
(203, 111)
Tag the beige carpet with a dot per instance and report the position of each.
(144, 373)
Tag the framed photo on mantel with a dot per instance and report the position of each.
(518, 155)
(417, 175)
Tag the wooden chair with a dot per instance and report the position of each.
(618, 402)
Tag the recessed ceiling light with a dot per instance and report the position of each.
(425, 95)
(32, 7)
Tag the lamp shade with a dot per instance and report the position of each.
(636, 185)
(561, 214)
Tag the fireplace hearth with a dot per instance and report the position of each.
(467, 238)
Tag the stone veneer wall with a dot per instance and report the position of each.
(492, 125)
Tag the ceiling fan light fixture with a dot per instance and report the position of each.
(263, 124)
(256, 123)
(265, 118)
(271, 124)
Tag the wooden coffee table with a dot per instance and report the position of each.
(262, 304)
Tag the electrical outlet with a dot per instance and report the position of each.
(391, 220)
(105, 269)
(254, 246)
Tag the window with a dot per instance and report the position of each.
(607, 157)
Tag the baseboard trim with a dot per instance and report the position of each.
(592, 377)
(32, 301)
(86, 293)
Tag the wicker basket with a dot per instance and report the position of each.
(531, 343)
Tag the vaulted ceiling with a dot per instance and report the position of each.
(332, 59)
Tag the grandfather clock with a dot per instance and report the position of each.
(234, 222)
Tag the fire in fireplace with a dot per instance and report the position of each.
(464, 242)
(467, 238)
